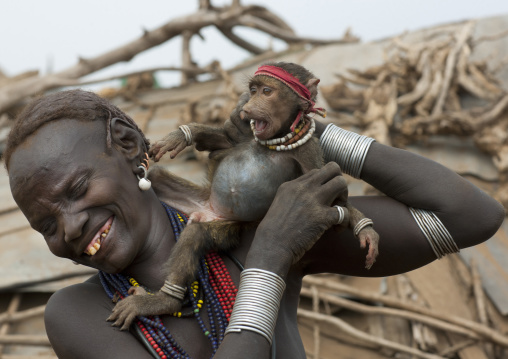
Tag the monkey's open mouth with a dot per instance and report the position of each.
(94, 246)
(260, 126)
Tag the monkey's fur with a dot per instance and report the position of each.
(243, 179)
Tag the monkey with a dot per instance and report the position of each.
(267, 141)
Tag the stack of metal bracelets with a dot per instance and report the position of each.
(436, 233)
(257, 303)
(349, 150)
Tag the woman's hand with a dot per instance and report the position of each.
(300, 213)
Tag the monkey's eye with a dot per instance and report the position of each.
(267, 90)
(252, 90)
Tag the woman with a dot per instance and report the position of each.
(73, 161)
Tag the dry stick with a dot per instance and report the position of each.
(204, 4)
(262, 25)
(484, 331)
(479, 297)
(237, 40)
(347, 328)
(460, 39)
(20, 339)
(10, 95)
(489, 38)
(191, 71)
(19, 316)
(492, 116)
(423, 84)
(467, 81)
(13, 307)
(186, 56)
(457, 347)
(366, 309)
(315, 309)
(478, 293)
(16, 356)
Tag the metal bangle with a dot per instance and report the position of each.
(347, 148)
(257, 303)
(364, 222)
(188, 134)
(173, 290)
(440, 240)
(341, 214)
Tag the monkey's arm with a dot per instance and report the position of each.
(207, 138)
(409, 180)
(204, 138)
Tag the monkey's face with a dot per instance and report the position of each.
(78, 195)
(270, 106)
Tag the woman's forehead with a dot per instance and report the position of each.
(57, 145)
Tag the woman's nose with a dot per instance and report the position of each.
(73, 224)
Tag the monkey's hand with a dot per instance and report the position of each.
(126, 310)
(175, 142)
(368, 236)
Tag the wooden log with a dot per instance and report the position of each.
(383, 343)
(486, 332)
(451, 60)
(20, 339)
(405, 314)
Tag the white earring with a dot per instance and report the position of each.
(144, 183)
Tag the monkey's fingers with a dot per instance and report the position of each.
(154, 151)
(179, 148)
(372, 254)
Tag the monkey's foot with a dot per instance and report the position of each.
(126, 310)
(368, 236)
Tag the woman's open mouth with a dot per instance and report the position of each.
(95, 245)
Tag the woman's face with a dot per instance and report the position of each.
(81, 198)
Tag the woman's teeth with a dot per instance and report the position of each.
(97, 244)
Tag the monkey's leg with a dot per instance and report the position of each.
(195, 241)
(367, 236)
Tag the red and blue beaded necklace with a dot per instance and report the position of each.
(218, 293)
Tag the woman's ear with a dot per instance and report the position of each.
(126, 138)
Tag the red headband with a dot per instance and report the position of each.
(294, 84)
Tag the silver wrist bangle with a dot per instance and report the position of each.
(347, 148)
(188, 134)
(364, 222)
(439, 238)
(257, 303)
(173, 290)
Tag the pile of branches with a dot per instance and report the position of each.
(424, 324)
(421, 91)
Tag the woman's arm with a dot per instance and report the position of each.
(409, 180)
(75, 320)
(300, 213)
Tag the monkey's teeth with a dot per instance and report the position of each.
(92, 250)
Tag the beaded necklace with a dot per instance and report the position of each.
(213, 289)
(302, 133)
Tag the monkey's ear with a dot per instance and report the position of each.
(126, 138)
(312, 86)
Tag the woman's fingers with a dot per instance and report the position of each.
(321, 175)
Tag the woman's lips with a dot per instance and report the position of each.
(95, 244)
